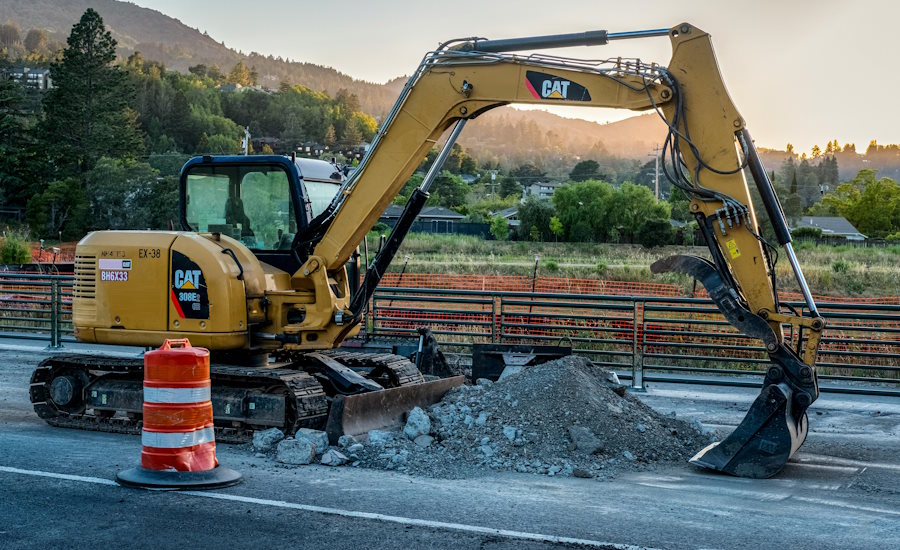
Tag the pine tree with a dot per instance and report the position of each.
(87, 113)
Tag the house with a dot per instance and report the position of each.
(541, 189)
(511, 214)
(32, 78)
(432, 219)
(831, 226)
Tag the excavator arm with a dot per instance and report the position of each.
(708, 147)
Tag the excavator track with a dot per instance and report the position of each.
(308, 408)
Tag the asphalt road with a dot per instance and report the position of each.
(842, 491)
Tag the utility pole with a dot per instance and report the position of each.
(245, 141)
(655, 154)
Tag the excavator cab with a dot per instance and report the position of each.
(266, 202)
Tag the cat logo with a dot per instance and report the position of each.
(548, 86)
(187, 278)
(189, 295)
(555, 89)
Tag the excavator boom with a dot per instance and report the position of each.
(708, 148)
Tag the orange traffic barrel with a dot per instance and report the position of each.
(178, 437)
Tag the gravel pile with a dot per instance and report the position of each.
(564, 417)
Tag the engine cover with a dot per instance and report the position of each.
(140, 287)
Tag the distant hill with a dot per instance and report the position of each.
(504, 135)
(529, 136)
(162, 38)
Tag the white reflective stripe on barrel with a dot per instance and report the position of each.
(176, 395)
(177, 440)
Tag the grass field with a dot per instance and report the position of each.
(830, 270)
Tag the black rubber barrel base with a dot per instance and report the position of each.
(167, 480)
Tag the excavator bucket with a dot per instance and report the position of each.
(776, 424)
(360, 413)
(764, 440)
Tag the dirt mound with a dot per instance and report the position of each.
(565, 417)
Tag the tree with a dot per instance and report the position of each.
(10, 36)
(509, 187)
(62, 207)
(632, 206)
(871, 205)
(37, 41)
(352, 136)
(18, 171)
(240, 74)
(584, 210)
(500, 228)
(448, 190)
(655, 232)
(120, 193)
(556, 227)
(87, 112)
(586, 170)
(534, 219)
(527, 172)
(330, 138)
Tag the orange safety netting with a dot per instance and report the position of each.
(566, 285)
(66, 253)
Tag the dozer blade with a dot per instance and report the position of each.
(776, 424)
(357, 414)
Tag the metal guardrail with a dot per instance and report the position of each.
(659, 339)
(643, 338)
(36, 307)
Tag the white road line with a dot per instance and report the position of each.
(462, 527)
(813, 458)
(848, 505)
(68, 477)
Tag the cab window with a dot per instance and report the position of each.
(250, 204)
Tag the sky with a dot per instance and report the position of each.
(799, 71)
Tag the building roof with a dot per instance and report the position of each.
(435, 212)
(830, 225)
(509, 212)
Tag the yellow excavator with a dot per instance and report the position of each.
(258, 273)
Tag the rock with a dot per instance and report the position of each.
(347, 441)
(509, 432)
(700, 427)
(332, 457)
(486, 450)
(260, 455)
(316, 437)
(482, 417)
(580, 472)
(627, 454)
(585, 441)
(399, 459)
(417, 423)
(355, 448)
(423, 441)
(484, 383)
(468, 421)
(612, 378)
(509, 370)
(295, 451)
(553, 470)
(380, 438)
(485, 440)
(265, 440)
(640, 427)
